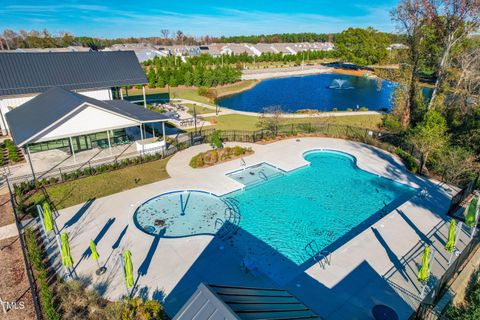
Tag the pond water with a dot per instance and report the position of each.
(321, 91)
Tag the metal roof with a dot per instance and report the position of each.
(231, 302)
(50, 107)
(36, 72)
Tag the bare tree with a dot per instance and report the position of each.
(8, 37)
(271, 118)
(410, 18)
(454, 20)
(180, 36)
(165, 33)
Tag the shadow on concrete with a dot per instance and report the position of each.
(87, 253)
(77, 216)
(353, 296)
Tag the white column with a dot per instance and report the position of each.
(109, 144)
(144, 97)
(30, 162)
(73, 151)
(163, 132)
(121, 93)
(141, 137)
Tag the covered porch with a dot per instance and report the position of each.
(83, 131)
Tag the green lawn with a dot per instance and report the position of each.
(236, 87)
(78, 191)
(198, 109)
(242, 122)
(186, 93)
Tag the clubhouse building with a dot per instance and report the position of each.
(73, 101)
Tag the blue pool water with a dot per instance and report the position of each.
(315, 92)
(319, 205)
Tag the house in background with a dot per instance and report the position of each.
(97, 75)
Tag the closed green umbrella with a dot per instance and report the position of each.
(93, 249)
(128, 268)
(450, 245)
(423, 272)
(47, 217)
(67, 259)
(470, 219)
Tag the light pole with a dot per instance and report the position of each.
(195, 117)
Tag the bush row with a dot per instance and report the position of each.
(12, 151)
(408, 159)
(25, 187)
(45, 293)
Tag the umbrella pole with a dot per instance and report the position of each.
(40, 214)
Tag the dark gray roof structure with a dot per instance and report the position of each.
(46, 109)
(36, 72)
(234, 303)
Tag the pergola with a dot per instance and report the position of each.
(58, 114)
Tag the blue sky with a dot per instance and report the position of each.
(115, 18)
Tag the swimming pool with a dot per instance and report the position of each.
(313, 208)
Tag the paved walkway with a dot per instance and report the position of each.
(225, 111)
(376, 267)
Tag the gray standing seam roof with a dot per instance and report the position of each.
(24, 73)
(244, 303)
(32, 117)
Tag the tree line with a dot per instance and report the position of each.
(173, 71)
(446, 127)
(10, 39)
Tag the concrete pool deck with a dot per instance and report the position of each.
(377, 266)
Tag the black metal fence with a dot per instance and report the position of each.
(458, 199)
(26, 259)
(426, 310)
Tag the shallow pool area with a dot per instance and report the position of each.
(184, 213)
(252, 175)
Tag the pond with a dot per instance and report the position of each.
(322, 92)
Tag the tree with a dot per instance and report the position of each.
(180, 36)
(362, 46)
(409, 16)
(271, 118)
(453, 20)
(456, 164)
(165, 33)
(429, 136)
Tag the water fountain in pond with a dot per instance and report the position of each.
(339, 84)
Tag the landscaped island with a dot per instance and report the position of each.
(212, 157)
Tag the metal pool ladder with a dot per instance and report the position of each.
(323, 258)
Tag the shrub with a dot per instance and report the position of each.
(363, 109)
(237, 151)
(12, 150)
(216, 139)
(213, 156)
(202, 91)
(408, 159)
(45, 293)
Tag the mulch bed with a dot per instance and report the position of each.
(6, 212)
(14, 286)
